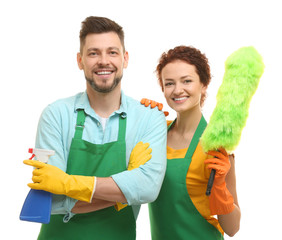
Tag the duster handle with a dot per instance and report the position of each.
(210, 182)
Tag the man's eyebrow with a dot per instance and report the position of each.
(92, 49)
(114, 48)
(97, 49)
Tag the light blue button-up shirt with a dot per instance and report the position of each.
(56, 129)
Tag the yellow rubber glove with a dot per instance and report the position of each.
(147, 102)
(221, 201)
(140, 154)
(52, 179)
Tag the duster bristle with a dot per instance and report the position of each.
(243, 70)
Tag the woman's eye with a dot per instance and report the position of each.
(187, 81)
(168, 84)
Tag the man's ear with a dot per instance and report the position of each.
(79, 61)
(126, 58)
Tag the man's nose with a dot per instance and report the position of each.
(103, 59)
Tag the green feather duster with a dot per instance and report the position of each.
(243, 69)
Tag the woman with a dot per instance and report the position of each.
(182, 210)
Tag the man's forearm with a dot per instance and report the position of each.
(95, 205)
(107, 193)
(107, 189)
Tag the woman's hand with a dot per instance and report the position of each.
(147, 102)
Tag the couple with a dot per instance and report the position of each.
(103, 169)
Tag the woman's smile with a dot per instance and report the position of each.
(180, 99)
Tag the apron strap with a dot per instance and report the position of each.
(79, 124)
(170, 125)
(79, 127)
(122, 127)
(195, 140)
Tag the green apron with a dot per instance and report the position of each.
(101, 160)
(173, 215)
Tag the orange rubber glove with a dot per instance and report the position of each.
(221, 200)
(147, 102)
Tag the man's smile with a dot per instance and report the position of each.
(103, 73)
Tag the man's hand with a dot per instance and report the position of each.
(52, 179)
(140, 154)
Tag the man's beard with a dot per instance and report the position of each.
(103, 89)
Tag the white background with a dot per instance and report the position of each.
(38, 46)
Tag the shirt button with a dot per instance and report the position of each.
(98, 124)
(123, 115)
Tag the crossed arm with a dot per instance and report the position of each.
(107, 194)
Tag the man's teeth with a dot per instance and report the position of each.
(179, 99)
(104, 73)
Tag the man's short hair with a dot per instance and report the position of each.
(94, 24)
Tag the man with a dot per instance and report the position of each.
(93, 134)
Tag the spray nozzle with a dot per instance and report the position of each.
(42, 155)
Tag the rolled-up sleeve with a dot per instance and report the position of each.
(142, 185)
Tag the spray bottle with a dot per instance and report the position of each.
(38, 203)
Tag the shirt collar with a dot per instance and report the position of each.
(83, 103)
(123, 106)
